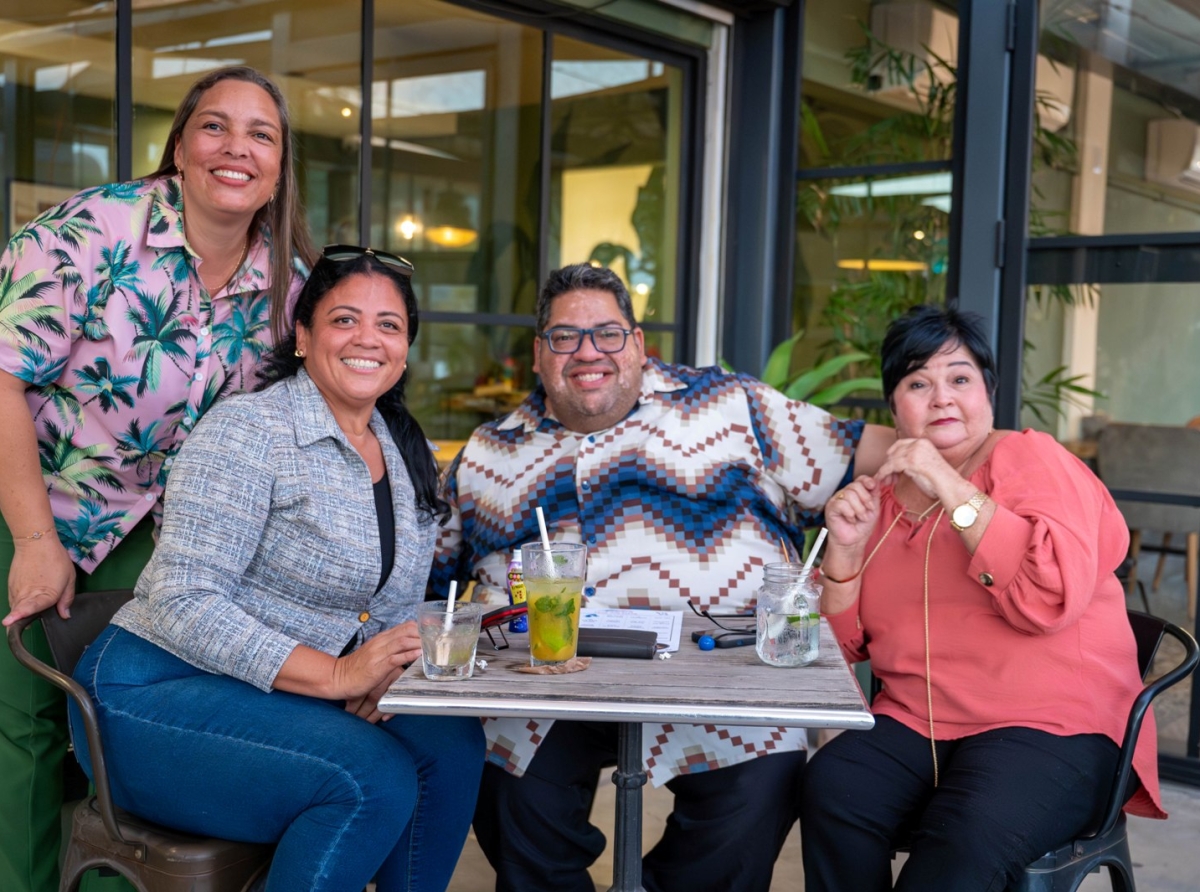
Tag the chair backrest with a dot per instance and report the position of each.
(90, 613)
(1148, 631)
(1154, 458)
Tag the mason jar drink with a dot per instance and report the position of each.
(788, 616)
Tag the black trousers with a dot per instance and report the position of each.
(1004, 798)
(724, 834)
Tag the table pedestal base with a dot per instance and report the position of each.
(627, 839)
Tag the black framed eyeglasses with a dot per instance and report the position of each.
(343, 253)
(715, 619)
(606, 339)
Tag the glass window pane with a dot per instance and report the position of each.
(455, 105)
(310, 48)
(879, 85)
(1118, 142)
(615, 130)
(462, 375)
(56, 102)
(866, 251)
(1136, 342)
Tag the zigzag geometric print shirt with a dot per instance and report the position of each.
(686, 498)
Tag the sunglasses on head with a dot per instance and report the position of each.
(343, 253)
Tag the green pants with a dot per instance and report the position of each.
(33, 735)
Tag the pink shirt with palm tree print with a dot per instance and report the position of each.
(103, 312)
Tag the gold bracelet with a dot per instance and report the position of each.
(849, 578)
(39, 534)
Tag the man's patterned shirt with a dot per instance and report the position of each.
(685, 499)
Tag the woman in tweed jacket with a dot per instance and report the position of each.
(239, 688)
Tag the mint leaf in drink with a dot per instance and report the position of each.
(546, 604)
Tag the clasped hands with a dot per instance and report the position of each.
(852, 513)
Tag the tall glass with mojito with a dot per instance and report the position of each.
(553, 595)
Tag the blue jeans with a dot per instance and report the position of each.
(345, 800)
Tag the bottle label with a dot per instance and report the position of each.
(516, 587)
(516, 595)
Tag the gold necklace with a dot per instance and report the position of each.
(237, 266)
(232, 275)
(925, 601)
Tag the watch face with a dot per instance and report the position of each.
(964, 515)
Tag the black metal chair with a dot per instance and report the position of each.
(1065, 868)
(152, 857)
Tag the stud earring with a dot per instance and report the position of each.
(299, 353)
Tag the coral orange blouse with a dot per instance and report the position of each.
(1029, 631)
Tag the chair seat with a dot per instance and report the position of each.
(159, 859)
(1064, 869)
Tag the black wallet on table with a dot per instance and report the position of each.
(632, 643)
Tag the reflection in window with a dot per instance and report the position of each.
(432, 94)
(615, 169)
(56, 106)
(310, 49)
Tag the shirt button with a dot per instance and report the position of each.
(591, 540)
(585, 486)
(203, 330)
(986, 578)
(590, 590)
(199, 376)
(364, 616)
(168, 462)
(591, 439)
(150, 497)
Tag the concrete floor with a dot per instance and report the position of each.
(1166, 854)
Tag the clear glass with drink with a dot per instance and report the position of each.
(553, 594)
(448, 639)
(788, 616)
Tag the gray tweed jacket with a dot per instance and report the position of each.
(270, 539)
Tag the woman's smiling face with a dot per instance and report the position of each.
(357, 347)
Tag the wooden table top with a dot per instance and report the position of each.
(724, 686)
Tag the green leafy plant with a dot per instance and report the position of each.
(1048, 395)
(818, 385)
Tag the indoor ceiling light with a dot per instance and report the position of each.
(407, 226)
(883, 265)
(450, 222)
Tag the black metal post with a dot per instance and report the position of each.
(760, 217)
(627, 838)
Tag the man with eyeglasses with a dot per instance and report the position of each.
(682, 482)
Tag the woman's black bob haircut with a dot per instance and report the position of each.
(282, 362)
(924, 331)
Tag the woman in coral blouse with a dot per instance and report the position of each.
(975, 571)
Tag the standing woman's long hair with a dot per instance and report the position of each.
(282, 362)
(283, 216)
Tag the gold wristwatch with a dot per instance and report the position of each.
(967, 513)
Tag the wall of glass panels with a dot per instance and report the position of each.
(1123, 166)
(873, 200)
(1114, 260)
(499, 149)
